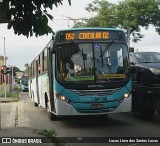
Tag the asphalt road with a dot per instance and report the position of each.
(125, 125)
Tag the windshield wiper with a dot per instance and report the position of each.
(107, 48)
(101, 56)
(103, 52)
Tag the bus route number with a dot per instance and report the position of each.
(70, 36)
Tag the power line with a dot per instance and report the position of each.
(65, 19)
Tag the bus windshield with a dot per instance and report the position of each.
(92, 62)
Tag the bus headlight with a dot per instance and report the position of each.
(125, 96)
(62, 98)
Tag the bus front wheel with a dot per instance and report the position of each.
(51, 116)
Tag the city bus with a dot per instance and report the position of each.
(82, 72)
(24, 83)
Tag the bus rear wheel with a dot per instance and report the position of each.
(35, 104)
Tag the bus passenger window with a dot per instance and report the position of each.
(45, 61)
(39, 65)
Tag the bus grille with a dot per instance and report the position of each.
(96, 111)
(100, 92)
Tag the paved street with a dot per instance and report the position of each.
(24, 117)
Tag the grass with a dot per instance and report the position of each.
(52, 134)
(14, 95)
(47, 133)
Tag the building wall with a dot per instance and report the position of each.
(8, 79)
(2, 89)
(1, 60)
(1, 64)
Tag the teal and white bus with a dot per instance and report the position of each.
(82, 71)
(24, 83)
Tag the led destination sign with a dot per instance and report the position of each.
(91, 35)
(87, 35)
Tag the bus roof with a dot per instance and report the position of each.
(89, 28)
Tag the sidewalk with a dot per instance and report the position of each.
(19, 132)
(16, 135)
(8, 114)
(7, 99)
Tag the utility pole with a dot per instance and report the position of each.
(5, 90)
(128, 36)
(75, 20)
(12, 71)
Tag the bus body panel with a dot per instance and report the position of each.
(81, 105)
(34, 90)
(125, 106)
(65, 109)
(62, 108)
(43, 83)
(43, 88)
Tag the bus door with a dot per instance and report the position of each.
(51, 67)
(37, 88)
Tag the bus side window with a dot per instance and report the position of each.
(39, 64)
(45, 61)
(30, 70)
(33, 69)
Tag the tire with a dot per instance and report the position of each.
(35, 104)
(32, 96)
(51, 116)
(142, 107)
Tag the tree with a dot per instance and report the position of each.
(16, 69)
(26, 71)
(29, 16)
(132, 14)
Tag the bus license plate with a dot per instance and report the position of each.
(96, 106)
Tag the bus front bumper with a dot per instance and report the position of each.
(65, 109)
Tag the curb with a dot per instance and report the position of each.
(3, 100)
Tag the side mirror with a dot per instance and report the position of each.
(131, 49)
(53, 49)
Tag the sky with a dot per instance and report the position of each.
(21, 50)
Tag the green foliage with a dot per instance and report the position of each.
(15, 69)
(132, 14)
(47, 133)
(14, 95)
(26, 71)
(27, 17)
(50, 133)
